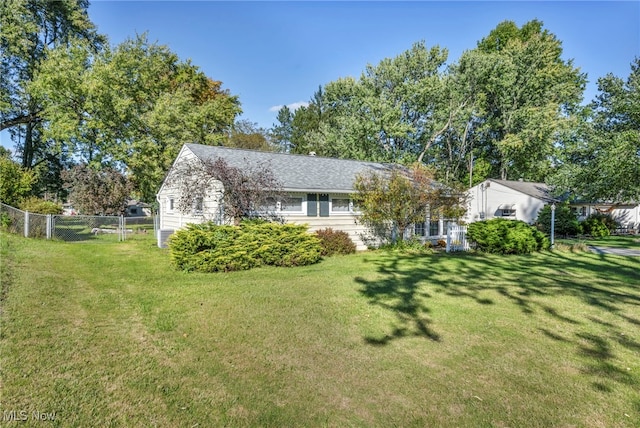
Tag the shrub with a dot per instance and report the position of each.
(599, 225)
(335, 242)
(210, 248)
(566, 222)
(504, 236)
(409, 246)
(40, 206)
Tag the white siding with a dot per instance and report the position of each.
(487, 198)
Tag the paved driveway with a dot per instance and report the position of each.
(615, 251)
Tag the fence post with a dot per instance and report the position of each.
(121, 236)
(448, 237)
(49, 225)
(26, 224)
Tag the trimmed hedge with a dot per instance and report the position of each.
(335, 242)
(504, 236)
(210, 248)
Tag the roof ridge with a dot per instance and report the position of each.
(298, 155)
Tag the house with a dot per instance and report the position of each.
(626, 214)
(517, 200)
(136, 208)
(318, 190)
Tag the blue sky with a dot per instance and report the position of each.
(275, 53)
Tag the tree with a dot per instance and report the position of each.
(243, 193)
(282, 132)
(29, 29)
(15, 182)
(248, 135)
(97, 192)
(391, 202)
(531, 94)
(565, 220)
(600, 160)
(130, 107)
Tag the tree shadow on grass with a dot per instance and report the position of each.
(405, 283)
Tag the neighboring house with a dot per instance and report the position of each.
(523, 200)
(517, 200)
(628, 215)
(137, 209)
(318, 190)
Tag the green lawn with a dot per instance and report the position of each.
(616, 241)
(106, 334)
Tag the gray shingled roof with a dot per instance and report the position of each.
(537, 190)
(295, 172)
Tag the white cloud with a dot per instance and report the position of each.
(292, 106)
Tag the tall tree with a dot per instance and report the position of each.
(528, 100)
(29, 29)
(283, 130)
(601, 160)
(131, 106)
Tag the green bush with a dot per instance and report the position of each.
(40, 206)
(599, 225)
(566, 222)
(335, 242)
(504, 236)
(210, 248)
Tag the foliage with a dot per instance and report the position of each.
(335, 242)
(133, 105)
(243, 192)
(40, 206)
(282, 131)
(496, 111)
(602, 160)
(599, 225)
(566, 221)
(248, 135)
(393, 200)
(414, 246)
(210, 248)
(103, 192)
(29, 30)
(504, 236)
(15, 182)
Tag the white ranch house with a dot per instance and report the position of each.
(523, 200)
(517, 200)
(318, 192)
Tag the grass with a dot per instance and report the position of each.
(614, 241)
(106, 334)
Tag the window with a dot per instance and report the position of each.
(133, 211)
(507, 210)
(198, 205)
(419, 229)
(291, 205)
(170, 204)
(434, 228)
(269, 205)
(340, 205)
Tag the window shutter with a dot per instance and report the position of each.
(324, 205)
(312, 205)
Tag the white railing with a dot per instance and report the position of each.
(457, 238)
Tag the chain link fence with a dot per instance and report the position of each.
(73, 228)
